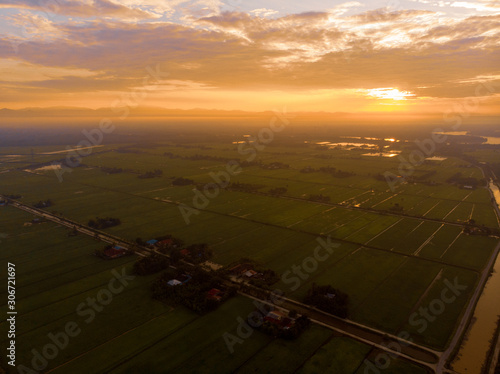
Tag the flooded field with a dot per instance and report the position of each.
(384, 154)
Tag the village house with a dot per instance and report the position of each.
(279, 319)
(114, 252)
(182, 279)
(215, 294)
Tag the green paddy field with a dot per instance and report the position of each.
(390, 262)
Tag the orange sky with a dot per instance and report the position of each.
(414, 56)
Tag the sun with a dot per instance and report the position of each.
(389, 93)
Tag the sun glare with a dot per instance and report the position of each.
(390, 93)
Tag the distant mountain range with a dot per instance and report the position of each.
(155, 113)
(134, 112)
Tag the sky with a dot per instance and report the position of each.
(390, 56)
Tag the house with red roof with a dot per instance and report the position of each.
(114, 252)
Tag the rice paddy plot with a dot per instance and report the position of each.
(440, 242)
(388, 306)
(357, 274)
(434, 325)
(470, 251)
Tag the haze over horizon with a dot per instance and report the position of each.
(408, 57)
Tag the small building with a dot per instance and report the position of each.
(279, 319)
(114, 252)
(468, 187)
(165, 243)
(250, 273)
(215, 294)
(181, 279)
(184, 278)
(274, 316)
(185, 252)
(235, 270)
(174, 282)
(151, 242)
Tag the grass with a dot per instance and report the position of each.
(339, 355)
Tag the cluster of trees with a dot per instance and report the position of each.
(262, 278)
(103, 223)
(151, 264)
(426, 175)
(13, 197)
(245, 163)
(43, 204)
(397, 208)
(380, 177)
(459, 179)
(319, 198)
(127, 150)
(176, 242)
(334, 172)
(473, 229)
(274, 165)
(182, 181)
(151, 174)
(196, 253)
(193, 293)
(99, 252)
(244, 187)
(197, 157)
(328, 299)
(110, 170)
(277, 331)
(278, 191)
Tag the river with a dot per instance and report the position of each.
(474, 349)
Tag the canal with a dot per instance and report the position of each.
(475, 347)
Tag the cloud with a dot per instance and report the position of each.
(403, 50)
(18, 71)
(75, 8)
(492, 6)
(264, 12)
